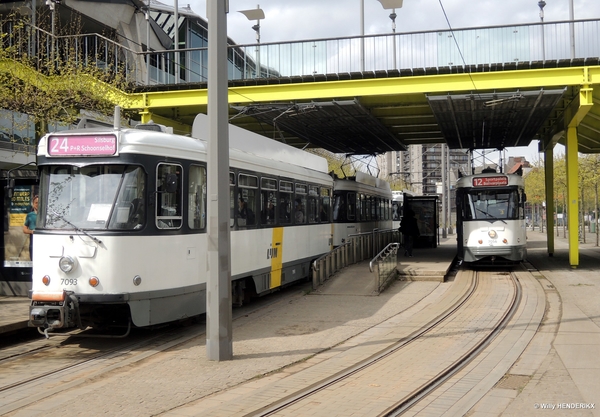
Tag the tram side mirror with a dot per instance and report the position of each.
(171, 183)
(9, 188)
(524, 198)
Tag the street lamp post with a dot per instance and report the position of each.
(256, 14)
(542, 4)
(176, 34)
(52, 6)
(393, 16)
(572, 28)
(391, 4)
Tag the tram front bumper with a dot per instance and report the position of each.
(54, 310)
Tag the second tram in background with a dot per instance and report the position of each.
(361, 204)
(491, 219)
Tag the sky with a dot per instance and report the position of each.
(288, 20)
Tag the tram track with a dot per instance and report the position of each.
(405, 404)
(56, 368)
(58, 364)
(362, 373)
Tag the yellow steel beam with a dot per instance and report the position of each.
(178, 128)
(580, 108)
(549, 177)
(430, 84)
(572, 196)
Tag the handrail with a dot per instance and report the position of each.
(387, 265)
(371, 232)
(357, 248)
(396, 245)
(329, 253)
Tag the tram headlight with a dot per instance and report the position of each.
(492, 234)
(67, 263)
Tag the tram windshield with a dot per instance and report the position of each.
(92, 197)
(489, 204)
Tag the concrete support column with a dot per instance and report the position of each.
(573, 196)
(219, 340)
(549, 177)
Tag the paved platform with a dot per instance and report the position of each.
(14, 313)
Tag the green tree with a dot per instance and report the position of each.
(53, 84)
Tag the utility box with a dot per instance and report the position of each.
(426, 213)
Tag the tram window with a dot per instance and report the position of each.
(339, 208)
(300, 204)
(374, 208)
(312, 206)
(371, 209)
(325, 208)
(491, 205)
(285, 202)
(168, 196)
(386, 209)
(365, 207)
(247, 199)
(268, 200)
(197, 198)
(395, 210)
(85, 197)
(351, 205)
(130, 207)
(232, 200)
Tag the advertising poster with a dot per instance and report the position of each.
(16, 243)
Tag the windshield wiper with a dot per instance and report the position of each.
(95, 239)
(490, 216)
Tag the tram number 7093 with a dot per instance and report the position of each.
(70, 281)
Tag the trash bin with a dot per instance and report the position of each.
(593, 227)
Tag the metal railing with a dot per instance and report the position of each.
(386, 263)
(359, 247)
(459, 50)
(49, 53)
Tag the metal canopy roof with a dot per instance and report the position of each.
(338, 126)
(463, 121)
(497, 120)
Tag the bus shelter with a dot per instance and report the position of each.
(426, 213)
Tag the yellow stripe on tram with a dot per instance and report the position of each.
(276, 255)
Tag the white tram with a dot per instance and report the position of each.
(361, 204)
(122, 225)
(121, 229)
(491, 218)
